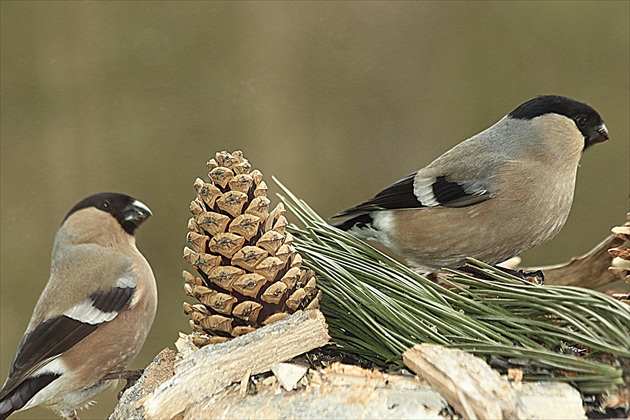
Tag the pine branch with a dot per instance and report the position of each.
(378, 308)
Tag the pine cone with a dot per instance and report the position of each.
(250, 273)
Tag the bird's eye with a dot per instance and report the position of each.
(105, 204)
(581, 120)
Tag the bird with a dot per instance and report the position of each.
(94, 314)
(492, 196)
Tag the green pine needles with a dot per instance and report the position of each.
(377, 308)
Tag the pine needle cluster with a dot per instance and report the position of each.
(377, 308)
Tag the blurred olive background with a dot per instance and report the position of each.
(337, 100)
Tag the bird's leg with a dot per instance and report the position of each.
(534, 277)
(131, 376)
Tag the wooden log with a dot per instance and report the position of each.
(476, 391)
(589, 270)
(214, 367)
(339, 392)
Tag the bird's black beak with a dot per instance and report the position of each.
(136, 213)
(599, 135)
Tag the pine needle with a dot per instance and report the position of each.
(377, 308)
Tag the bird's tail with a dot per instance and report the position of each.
(18, 397)
(7, 408)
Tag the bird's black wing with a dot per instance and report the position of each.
(411, 192)
(459, 194)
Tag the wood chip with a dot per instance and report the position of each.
(467, 382)
(185, 345)
(515, 375)
(289, 374)
(212, 368)
(245, 383)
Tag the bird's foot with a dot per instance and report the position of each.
(536, 277)
(131, 376)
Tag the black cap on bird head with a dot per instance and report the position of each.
(587, 120)
(128, 211)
